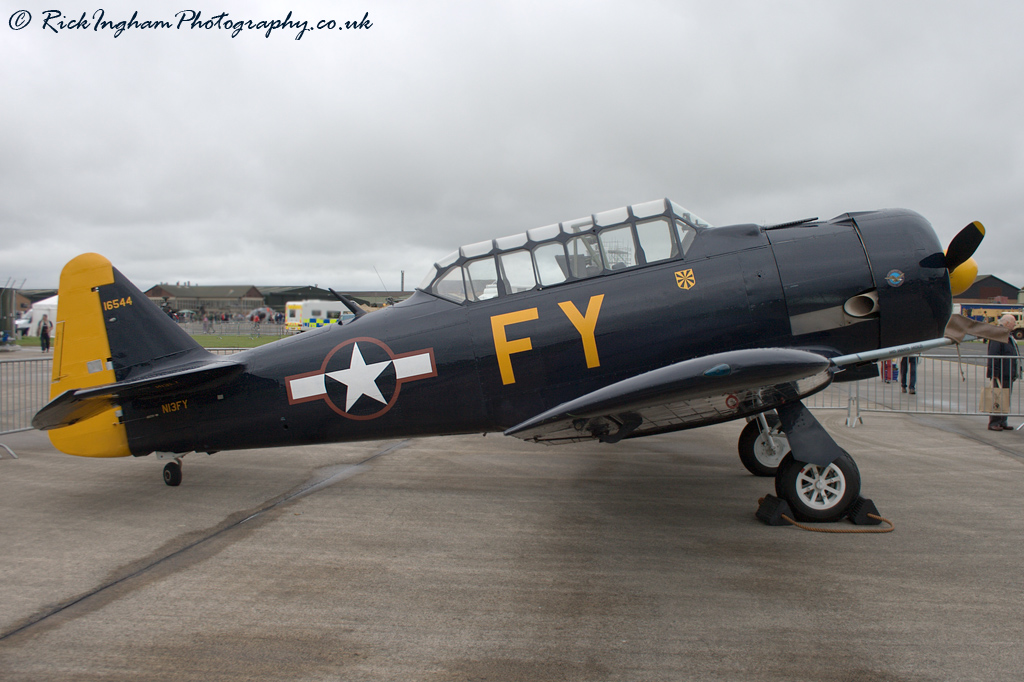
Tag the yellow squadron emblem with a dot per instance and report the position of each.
(685, 279)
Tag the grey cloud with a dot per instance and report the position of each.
(184, 155)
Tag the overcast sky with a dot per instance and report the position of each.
(188, 154)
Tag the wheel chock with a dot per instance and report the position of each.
(864, 513)
(771, 510)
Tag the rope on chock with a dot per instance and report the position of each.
(814, 529)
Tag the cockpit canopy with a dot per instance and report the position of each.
(626, 237)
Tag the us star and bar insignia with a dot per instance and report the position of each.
(364, 375)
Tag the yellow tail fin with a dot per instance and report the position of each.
(82, 358)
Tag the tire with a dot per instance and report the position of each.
(817, 493)
(172, 474)
(1018, 334)
(755, 454)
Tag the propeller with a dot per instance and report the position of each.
(964, 244)
(962, 268)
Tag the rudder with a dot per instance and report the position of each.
(107, 331)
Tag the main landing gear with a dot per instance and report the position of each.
(817, 478)
(818, 493)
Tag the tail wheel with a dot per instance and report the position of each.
(172, 473)
(817, 493)
(760, 456)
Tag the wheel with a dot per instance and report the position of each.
(172, 473)
(760, 458)
(817, 493)
(1018, 334)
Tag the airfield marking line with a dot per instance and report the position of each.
(341, 472)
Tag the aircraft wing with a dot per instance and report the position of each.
(706, 390)
(78, 404)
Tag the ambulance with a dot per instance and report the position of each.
(303, 315)
(991, 312)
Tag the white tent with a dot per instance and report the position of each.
(48, 307)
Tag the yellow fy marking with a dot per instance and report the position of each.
(585, 325)
(175, 406)
(503, 347)
(685, 279)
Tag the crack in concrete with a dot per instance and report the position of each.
(172, 557)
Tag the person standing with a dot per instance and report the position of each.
(1003, 369)
(908, 373)
(44, 334)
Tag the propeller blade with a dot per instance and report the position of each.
(964, 244)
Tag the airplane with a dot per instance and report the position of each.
(626, 323)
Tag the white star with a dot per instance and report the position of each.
(360, 378)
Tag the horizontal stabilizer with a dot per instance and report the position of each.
(705, 390)
(77, 404)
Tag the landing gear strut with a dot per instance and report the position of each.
(817, 478)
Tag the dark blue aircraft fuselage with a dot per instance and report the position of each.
(446, 367)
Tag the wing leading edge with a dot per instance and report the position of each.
(705, 390)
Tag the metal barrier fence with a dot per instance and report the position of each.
(945, 385)
(24, 388)
(243, 328)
